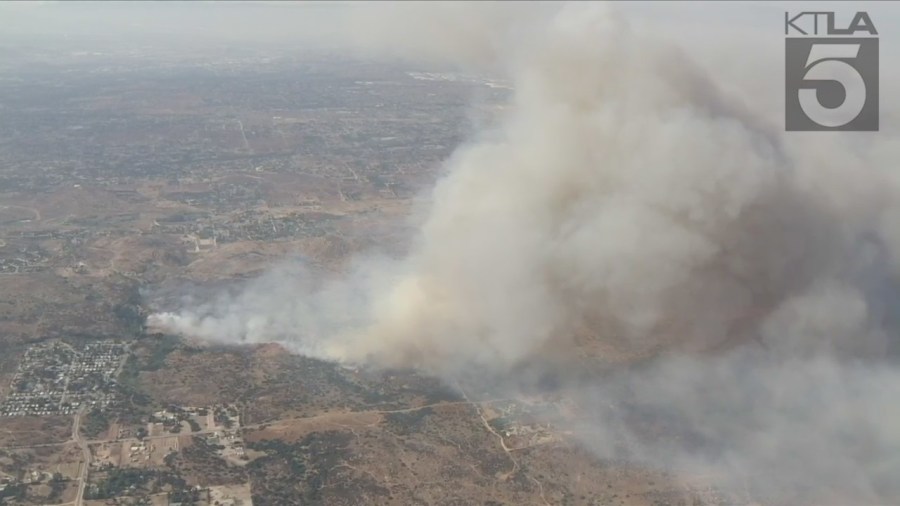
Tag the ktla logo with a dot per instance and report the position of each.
(831, 73)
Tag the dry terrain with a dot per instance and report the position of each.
(139, 176)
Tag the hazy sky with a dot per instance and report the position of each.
(295, 21)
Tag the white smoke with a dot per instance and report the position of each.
(627, 208)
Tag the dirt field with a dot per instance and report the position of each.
(34, 430)
(64, 459)
(41, 494)
(445, 454)
(108, 453)
(113, 431)
(155, 500)
(155, 429)
(230, 495)
(293, 430)
(162, 447)
(130, 453)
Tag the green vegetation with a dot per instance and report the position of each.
(95, 423)
(149, 355)
(118, 482)
(14, 463)
(137, 404)
(130, 481)
(14, 492)
(129, 312)
(222, 416)
(501, 423)
(57, 487)
(297, 473)
(164, 344)
(202, 459)
(130, 316)
(408, 422)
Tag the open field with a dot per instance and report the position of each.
(230, 495)
(34, 430)
(443, 454)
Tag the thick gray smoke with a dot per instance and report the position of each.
(627, 209)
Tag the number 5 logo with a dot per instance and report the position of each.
(827, 62)
(831, 84)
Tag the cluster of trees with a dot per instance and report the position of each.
(125, 481)
(408, 422)
(202, 458)
(174, 424)
(120, 481)
(18, 492)
(14, 492)
(129, 311)
(223, 417)
(57, 486)
(294, 473)
(95, 423)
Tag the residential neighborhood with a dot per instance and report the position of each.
(56, 378)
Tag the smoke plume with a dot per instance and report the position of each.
(628, 210)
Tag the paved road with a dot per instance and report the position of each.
(86, 454)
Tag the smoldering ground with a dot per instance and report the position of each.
(630, 211)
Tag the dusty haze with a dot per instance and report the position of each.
(633, 206)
